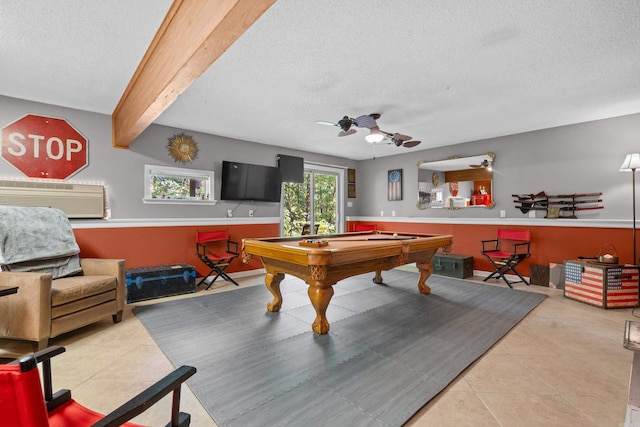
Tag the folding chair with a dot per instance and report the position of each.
(207, 242)
(364, 227)
(22, 403)
(505, 252)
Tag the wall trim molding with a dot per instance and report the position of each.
(533, 222)
(170, 222)
(186, 222)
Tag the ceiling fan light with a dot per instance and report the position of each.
(374, 137)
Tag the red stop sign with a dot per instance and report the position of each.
(44, 147)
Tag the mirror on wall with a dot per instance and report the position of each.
(457, 182)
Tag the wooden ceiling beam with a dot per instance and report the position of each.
(192, 36)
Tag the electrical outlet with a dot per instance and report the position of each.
(503, 214)
(229, 213)
(532, 214)
(250, 212)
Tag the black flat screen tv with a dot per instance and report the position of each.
(243, 181)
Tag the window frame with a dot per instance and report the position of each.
(204, 175)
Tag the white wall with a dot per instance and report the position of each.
(581, 158)
(570, 159)
(122, 170)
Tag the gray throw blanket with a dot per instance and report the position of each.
(39, 240)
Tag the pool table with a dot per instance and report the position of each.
(322, 261)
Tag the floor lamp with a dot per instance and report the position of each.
(631, 163)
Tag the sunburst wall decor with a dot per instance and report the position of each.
(182, 148)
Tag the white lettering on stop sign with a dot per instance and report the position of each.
(41, 146)
(55, 147)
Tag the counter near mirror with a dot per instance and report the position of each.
(454, 183)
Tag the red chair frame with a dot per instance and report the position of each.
(22, 403)
(207, 244)
(506, 251)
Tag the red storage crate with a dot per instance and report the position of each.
(602, 285)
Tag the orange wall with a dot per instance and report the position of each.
(548, 244)
(147, 246)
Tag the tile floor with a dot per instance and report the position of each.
(563, 365)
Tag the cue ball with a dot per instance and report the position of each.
(395, 234)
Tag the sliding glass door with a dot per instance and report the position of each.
(314, 206)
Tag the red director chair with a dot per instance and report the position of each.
(22, 403)
(505, 252)
(216, 250)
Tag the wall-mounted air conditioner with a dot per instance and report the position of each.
(76, 200)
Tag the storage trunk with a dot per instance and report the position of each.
(602, 285)
(159, 281)
(460, 266)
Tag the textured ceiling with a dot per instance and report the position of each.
(443, 72)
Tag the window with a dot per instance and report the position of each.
(163, 184)
(316, 204)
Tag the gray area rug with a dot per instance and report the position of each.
(389, 351)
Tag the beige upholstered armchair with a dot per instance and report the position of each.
(44, 308)
(57, 291)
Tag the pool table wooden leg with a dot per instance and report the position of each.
(425, 271)
(320, 297)
(272, 282)
(377, 279)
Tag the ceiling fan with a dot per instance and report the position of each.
(376, 135)
(347, 123)
(399, 139)
(483, 164)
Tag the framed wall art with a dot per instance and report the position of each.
(351, 183)
(182, 148)
(351, 176)
(351, 191)
(394, 184)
